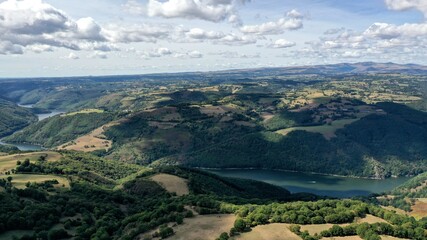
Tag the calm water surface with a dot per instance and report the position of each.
(31, 147)
(333, 186)
(24, 147)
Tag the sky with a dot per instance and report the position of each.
(46, 38)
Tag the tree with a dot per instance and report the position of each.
(223, 236)
(240, 225)
(166, 232)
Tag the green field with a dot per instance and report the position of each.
(328, 131)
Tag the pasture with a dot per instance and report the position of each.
(274, 231)
(172, 184)
(328, 131)
(8, 162)
(19, 180)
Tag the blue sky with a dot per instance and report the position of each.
(105, 37)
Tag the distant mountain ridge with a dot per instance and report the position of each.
(344, 68)
(326, 69)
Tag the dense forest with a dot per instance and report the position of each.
(57, 130)
(372, 146)
(13, 117)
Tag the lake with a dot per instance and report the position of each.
(48, 115)
(42, 116)
(333, 186)
(31, 147)
(24, 147)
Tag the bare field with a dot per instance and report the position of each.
(384, 237)
(172, 184)
(204, 227)
(200, 227)
(419, 210)
(8, 162)
(397, 210)
(19, 180)
(274, 231)
(92, 141)
(370, 219)
(84, 111)
(318, 228)
(212, 110)
(343, 238)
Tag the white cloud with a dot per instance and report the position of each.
(209, 10)
(10, 48)
(72, 56)
(134, 7)
(30, 24)
(292, 21)
(87, 28)
(197, 33)
(156, 53)
(234, 54)
(351, 54)
(136, 33)
(389, 31)
(282, 43)
(401, 5)
(333, 31)
(97, 54)
(190, 54)
(232, 39)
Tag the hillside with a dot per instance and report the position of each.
(94, 198)
(107, 199)
(58, 130)
(13, 117)
(371, 146)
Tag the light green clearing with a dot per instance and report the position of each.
(328, 131)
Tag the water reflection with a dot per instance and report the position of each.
(333, 186)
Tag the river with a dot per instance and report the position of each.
(325, 185)
(32, 147)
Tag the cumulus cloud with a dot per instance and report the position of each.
(215, 37)
(156, 53)
(292, 21)
(37, 26)
(10, 48)
(28, 23)
(209, 10)
(389, 31)
(401, 5)
(190, 54)
(197, 33)
(282, 43)
(233, 39)
(87, 28)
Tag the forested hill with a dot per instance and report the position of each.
(14, 117)
(378, 146)
(60, 129)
